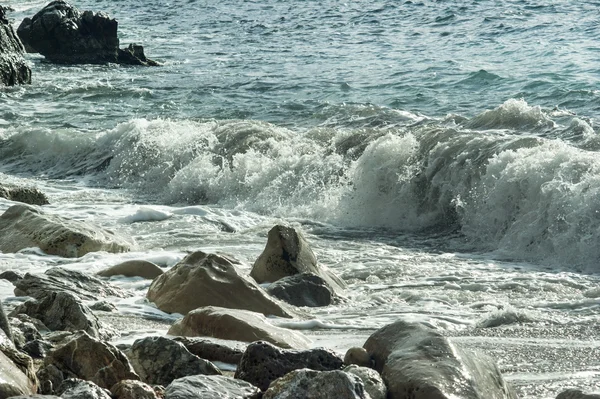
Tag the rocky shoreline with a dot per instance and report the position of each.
(58, 343)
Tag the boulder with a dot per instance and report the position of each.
(210, 387)
(63, 311)
(133, 268)
(202, 279)
(27, 195)
(359, 357)
(74, 388)
(26, 329)
(263, 363)
(13, 381)
(90, 359)
(212, 351)
(13, 68)
(65, 35)
(58, 279)
(4, 325)
(371, 379)
(303, 289)
(36, 396)
(22, 361)
(22, 226)
(418, 362)
(310, 384)
(287, 253)
(237, 325)
(577, 394)
(159, 360)
(132, 389)
(12, 276)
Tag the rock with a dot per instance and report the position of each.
(576, 394)
(36, 396)
(50, 377)
(303, 289)
(103, 306)
(22, 226)
(24, 330)
(212, 351)
(13, 68)
(287, 253)
(237, 325)
(58, 279)
(371, 380)
(27, 195)
(22, 361)
(133, 268)
(359, 357)
(11, 275)
(307, 383)
(159, 360)
(4, 325)
(210, 387)
(64, 312)
(202, 279)
(74, 388)
(132, 389)
(65, 35)
(263, 363)
(90, 359)
(13, 381)
(38, 348)
(419, 362)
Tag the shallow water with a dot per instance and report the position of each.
(441, 157)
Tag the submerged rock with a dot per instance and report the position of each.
(418, 362)
(307, 383)
(23, 226)
(133, 268)
(577, 394)
(13, 68)
(65, 35)
(27, 195)
(202, 279)
(302, 290)
(211, 387)
(237, 325)
(262, 363)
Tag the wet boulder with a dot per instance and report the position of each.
(210, 387)
(202, 279)
(307, 383)
(576, 394)
(13, 381)
(132, 389)
(263, 363)
(159, 360)
(237, 325)
(303, 289)
(371, 379)
(133, 268)
(213, 351)
(65, 35)
(27, 195)
(13, 68)
(359, 357)
(288, 253)
(74, 388)
(22, 226)
(417, 361)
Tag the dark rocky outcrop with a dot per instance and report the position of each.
(13, 381)
(159, 360)
(74, 388)
(371, 379)
(212, 351)
(210, 387)
(576, 394)
(133, 268)
(238, 325)
(307, 383)
(202, 279)
(65, 35)
(262, 363)
(302, 290)
(13, 68)
(132, 389)
(27, 195)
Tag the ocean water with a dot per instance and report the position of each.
(440, 156)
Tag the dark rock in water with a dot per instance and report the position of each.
(26, 329)
(304, 289)
(159, 360)
(82, 285)
(104, 306)
(27, 195)
(212, 351)
(262, 363)
(13, 68)
(74, 388)
(65, 35)
(38, 348)
(577, 394)
(211, 387)
(11, 276)
(133, 268)
(307, 383)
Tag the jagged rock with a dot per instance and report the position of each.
(576, 394)
(417, 361)
(307, 383)
(38, 348)
(212, 351)
(65, 35)
(202, 279)
(159, 360)
(359, 357)
(210, 387)
(50, 378)
(58, 279)
(4, 324)
(371, 380)
(90, 359)
(74, 388)
(13, 68)
(13, 381)
(36, 396)
(22, 226)
(133, 268)
(11, 275)
(287, 253)
(24, 330)
(64, 312)
(238, 325)
(263, 363)
(132, 389)
(103, 306)
(302, 290)
(27, 195)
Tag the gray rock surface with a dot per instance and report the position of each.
(576, 394)
(133, 268)
(210, 387)
(132, 389)
(13, 68)
(303, 289)
(159, 360)
(310, 384)
(13, 381)
(74, 388)
(213, 351)
(27, 195)
(371, 379)
(262, 363)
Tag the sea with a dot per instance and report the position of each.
(442, 157)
